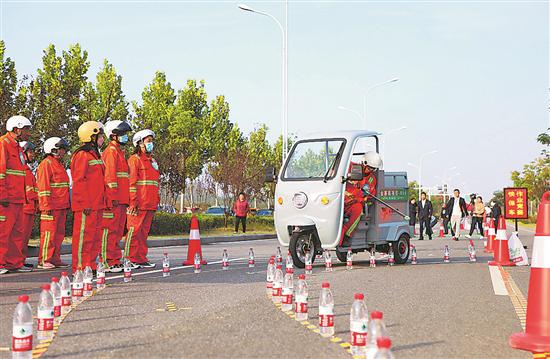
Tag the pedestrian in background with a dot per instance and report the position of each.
(495, 212)
(445, 219)
(477, 216)
(425, 211)
(413, 208)
(240, 208)
(456, 208)
(30, 208)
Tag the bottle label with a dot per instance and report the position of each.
(251, 261)
(300, 307)
(349, 263)
(358, 333)
(45, 319)
(326, 316)
(277, 291)
(269, 284)
(57, 306)
(78, 288)
(197, 266)
(309, 266)
(287, 296)
(328, 264)
(166, 269)
(22, 338)
(225, 264)
(127, 273)
(100, 279)
(66, 298)
(88, 286)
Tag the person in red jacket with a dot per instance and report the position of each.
(12, 194)
(30, 208)
(118, 190)
(241, 208)
(53, 202)
(88, 200)
(144, 198)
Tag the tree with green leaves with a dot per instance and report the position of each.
(8, 86)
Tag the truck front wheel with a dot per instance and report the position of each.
(300, 243)
(401, 249)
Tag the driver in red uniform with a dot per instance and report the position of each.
(356, 193)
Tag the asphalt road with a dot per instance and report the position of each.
(431, 310)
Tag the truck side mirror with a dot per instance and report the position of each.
(270, 175)
(356, 173)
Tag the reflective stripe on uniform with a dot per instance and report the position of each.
(60, 185)
(45, 246)
(349, 232)
(147, 183)
(95, 162)
(122, 174)
(44, 193)
(81, 240)
(46, 217)
(15, 172)
(2, 175)
(112, 185)
(128, 241)
(2, 218)
(108, 215)
(104, 245)
(133, 189)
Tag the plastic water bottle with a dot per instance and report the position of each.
(127, 271)
(66, 299)
(349, 260)
(100, 275)
(472, 251)
(45, 314)
(78, 286)
(391, 258)
(270, 276)
(328, 261)
(88, 279)
(289, 263)
(250, 258)
(446, 254)
(377, 329)
(384, 352)
(309, 266)
(358, 325)
(22, 329)
(288, 291)
(225, 260)
(165, 265)
(413, 255)
(326, 311)
(278, 285)
(279, 256)
(300, 304)
(56, 294)
(372, 258)
(197, 263)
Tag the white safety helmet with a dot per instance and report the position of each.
(55, 143)
(17, 122)
(372, 159)
(116, 127)
(140, 135)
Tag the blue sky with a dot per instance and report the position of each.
(474, 76)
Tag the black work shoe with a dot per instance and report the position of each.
(28, 265)
(421, 238)
(147, 265)
(21, 269)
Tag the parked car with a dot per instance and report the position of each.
(264, 212)
(216, 211)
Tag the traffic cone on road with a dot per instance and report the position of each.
(536, 337)
(194, 242)
(441, 231)
(502, 253)
(486, 228)
(489, 248)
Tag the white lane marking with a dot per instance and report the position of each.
(171, 269)
(498, 282)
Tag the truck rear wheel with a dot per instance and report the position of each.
(401, 249)
(300, 242)
(342, 256)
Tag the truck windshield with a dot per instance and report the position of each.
(314, 159)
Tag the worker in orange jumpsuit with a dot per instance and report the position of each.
(12, 194)
(88, 200)
(30, 208)
(356, 195)
(53, 202)
(118, 194)
(144, 198)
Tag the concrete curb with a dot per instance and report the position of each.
(171, 242)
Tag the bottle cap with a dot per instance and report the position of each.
(279, 266)
(64, 274)
(46, 287)
(302, 276)
(383, 342)
(325, 285)
(271, 260)
(23, 298)
(55, 279)
(358, 296)
(375, 314)
(290, 270)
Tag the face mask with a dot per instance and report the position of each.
(149, 147)
(123, 139)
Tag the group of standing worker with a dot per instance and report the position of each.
(108, 194)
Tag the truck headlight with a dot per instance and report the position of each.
(299, 200)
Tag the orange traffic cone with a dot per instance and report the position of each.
(194, 242)
(536, 338)
(489, 248)
(502, 254)
(441, 231)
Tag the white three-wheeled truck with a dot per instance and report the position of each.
(309, 199)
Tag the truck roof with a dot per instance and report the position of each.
(348, 135)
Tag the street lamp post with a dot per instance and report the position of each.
(284, 33)
(383, 139)
(352, 111)
(369, 90)
(419, 167)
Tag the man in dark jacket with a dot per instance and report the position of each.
(425, 211)
(412, 213)
(495, 212)
(445, 219)
(456, 210)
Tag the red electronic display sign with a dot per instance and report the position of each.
(515, 203)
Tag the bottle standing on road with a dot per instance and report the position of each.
(349, 260)
(22, 329)
(225, 260)
(127, 270)
(309, 266)
(197, 263)
(472, 251)
(300, 304)
(279, 256)
(30, 208)
(45, 314)
(289, 263)
(56, 294)
(88, 279)
(100, 274)
(446, 254)
(372, 260)
(326, 311)
(250, 258)
(328, 261)
(66, 297)
(391, 258)
(358, 325)
(377, 329)
(384, 352)
(413, 255)
(166, 265)
(288, 291)
(270, 276)
(278, 284)
(78, 286)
